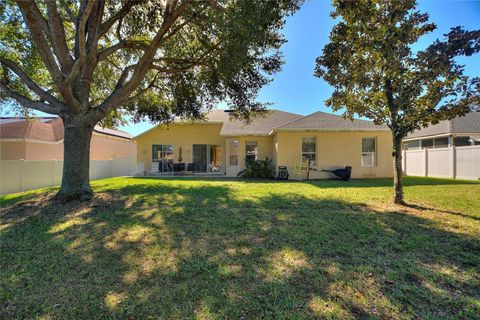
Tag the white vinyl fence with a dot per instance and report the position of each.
(451, 162)
(23, 175)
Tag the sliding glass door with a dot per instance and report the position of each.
(200, 160)
(215, 160)
(207, 158)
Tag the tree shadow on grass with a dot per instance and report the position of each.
(387, 182)
(328, 183)
(182, 251)
(455, 213)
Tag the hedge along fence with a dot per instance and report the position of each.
(23, 175)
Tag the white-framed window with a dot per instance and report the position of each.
(427, 143)
(463, 141)
(411, 145)
(233, 152)
(233, 160)
(162, 152)
(251, 150)
(442, 142)
(309, 150)
(369, 152)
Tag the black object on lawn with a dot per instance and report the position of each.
(344, 174)
(282, 173)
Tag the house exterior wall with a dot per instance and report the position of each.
(186, 135)
(265, 149)
(335, 150)
(12, 150)
(179, 135)
(102, 147)
(44, 151)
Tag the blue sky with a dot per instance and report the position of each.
(295, 89)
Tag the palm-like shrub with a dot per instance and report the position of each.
(257, 169)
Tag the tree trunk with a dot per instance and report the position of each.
(76, 160)
(397, 171)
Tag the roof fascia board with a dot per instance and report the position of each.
(245, 134)
(29, 140)
(329, 130)
(100, 133)
(441, 135)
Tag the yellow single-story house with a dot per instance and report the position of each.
(220, 145)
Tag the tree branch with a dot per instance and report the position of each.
(127, 7)
(71, 15)
(124, 76)
(130, 44)
(38, 30)
(142, 91)
(181, 25)
(58, 38)
(93, 26)
(44, 95)
(117, 97)
(81, 29)
(189, 63)
(28, 103)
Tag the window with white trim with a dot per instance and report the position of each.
(441, 142)
(411, 145)
(369, 152)
(251, 150)
(309, 150)
(233, 153)
(162, 152)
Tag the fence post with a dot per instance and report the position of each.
(453, 162)
(53, 172)
(425, 162)
(94, 174)
(23, 169)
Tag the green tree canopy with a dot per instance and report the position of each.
(91, 61)
(376, 74)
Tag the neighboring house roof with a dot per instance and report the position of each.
(469, 123)
(330, 122)
(48, 129)
(112, 132)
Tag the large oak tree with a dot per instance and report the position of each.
(96, 61)
(375, 74)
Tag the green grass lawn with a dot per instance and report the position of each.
(215, 249)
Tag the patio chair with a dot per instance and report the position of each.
(213, 167)
(190, 168)
(166, 167)
(178, 168)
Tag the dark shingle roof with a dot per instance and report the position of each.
(323, 121)
(262, 125)
(276, 120)
(470, 123)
